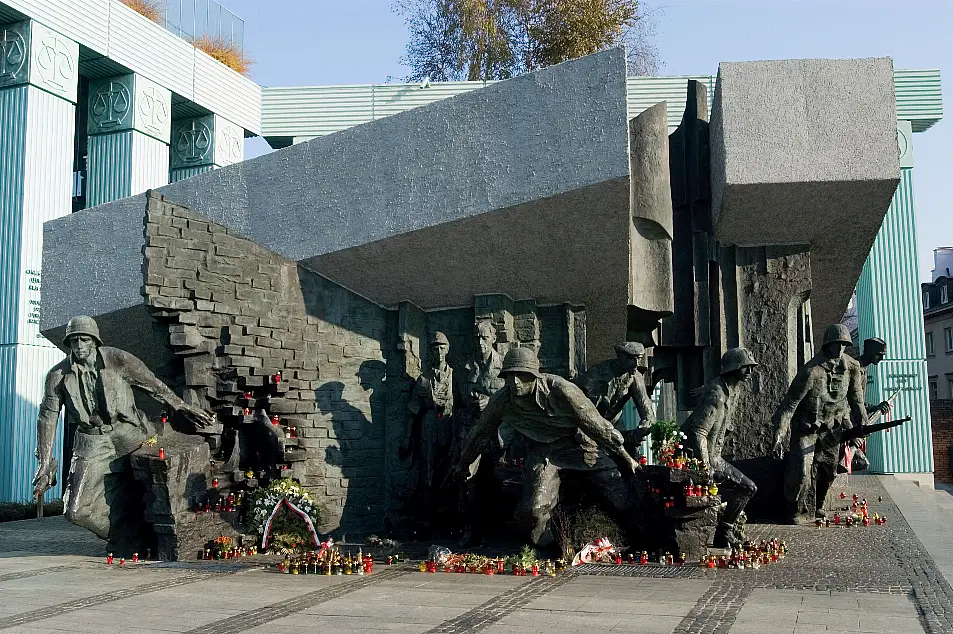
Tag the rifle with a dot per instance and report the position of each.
(866, 430)
(50, 474)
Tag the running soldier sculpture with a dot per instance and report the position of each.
(824, 400)
(94, 384)
(548, 413)
(611, 384)
(706, 429)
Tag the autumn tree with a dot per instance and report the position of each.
(452, 40)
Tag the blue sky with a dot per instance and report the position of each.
(327, 42)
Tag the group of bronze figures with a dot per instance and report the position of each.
(463, 420)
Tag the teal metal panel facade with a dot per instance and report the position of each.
(19, 400)
(182, 173)
(123, 164)
(889, 306)
(919, 97)
(36, 153)
(13, 131)
(109, 167)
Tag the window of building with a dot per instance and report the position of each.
(926, 300)
(933, 389)
(948, 337)
(930, 349)
(944, 294)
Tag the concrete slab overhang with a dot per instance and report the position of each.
(522, 187)
(805, 152)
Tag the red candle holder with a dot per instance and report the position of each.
(278, 377)
(214, 483)
(161, 453)
(109, 559)
(122, 561)
(135, 558)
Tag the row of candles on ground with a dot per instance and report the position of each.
(748, 556)
(327, 562)
(859, 514)
(496, 567)
(234, 553)
(110, 559)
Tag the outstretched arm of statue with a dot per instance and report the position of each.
(595, 426)
(785, 412)
(139, 376)
(643, 404)
(45, 431)
(485, 430)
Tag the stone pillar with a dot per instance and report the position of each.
(889, 306)
(129, 125)
(201, 144)
(38, 83)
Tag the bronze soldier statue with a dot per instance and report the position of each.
(94, 384)
(611, 384)
(479, 379)
(706, 429)
(431, 407)
(875, 349)
(824, 400)
(548, 413)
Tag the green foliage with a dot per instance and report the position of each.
(525, 557)
(15, 511)
(665, 435)
(476, 40)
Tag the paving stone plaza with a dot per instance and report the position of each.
(53, 577)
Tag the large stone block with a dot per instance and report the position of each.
(805, 152)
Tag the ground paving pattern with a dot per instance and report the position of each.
(875, 579)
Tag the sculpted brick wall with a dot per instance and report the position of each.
(237, 314)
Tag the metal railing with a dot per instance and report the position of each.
(193, 19)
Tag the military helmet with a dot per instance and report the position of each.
(521, 360)
(875, 344)
(631, 348)
(735, 359)
(439, 338)
(837, 333)
(82, 325)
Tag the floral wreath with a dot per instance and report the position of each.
(265, 503)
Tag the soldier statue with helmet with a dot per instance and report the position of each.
(613, 383)
(94, 384)
(705, 432)
(824, 400)
(431, 406)
(548, 413)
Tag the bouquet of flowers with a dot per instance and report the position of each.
(221, 545)
(289, 532)
(666, 437)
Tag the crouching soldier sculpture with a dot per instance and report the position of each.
(549, 412)
(824, 401)
(94, 383)
(706, 429)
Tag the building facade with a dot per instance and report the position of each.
(97, 103)
(938, 325)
